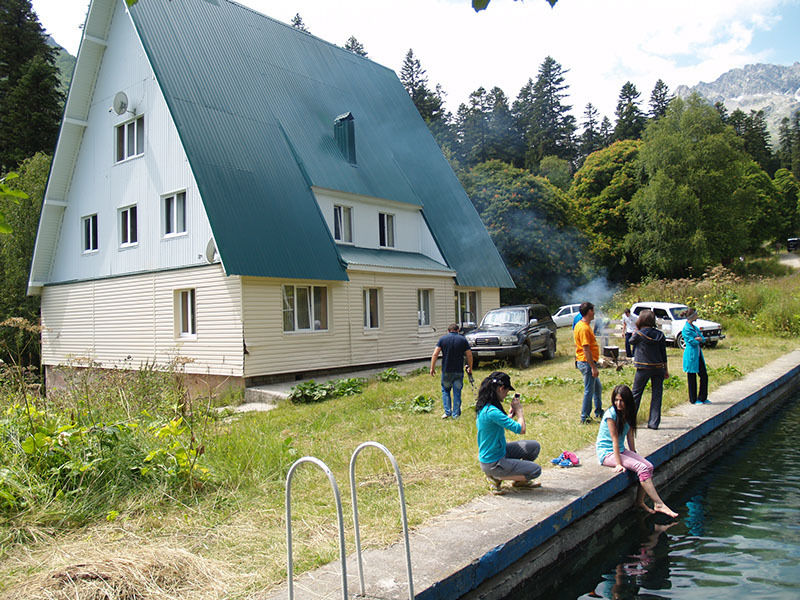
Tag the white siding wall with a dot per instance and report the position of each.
(127, 321)
(346, 342)
(100, 185)
(411, 232)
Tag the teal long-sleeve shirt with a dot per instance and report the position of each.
(492, 423)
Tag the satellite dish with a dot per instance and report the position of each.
(211, 251)
(120, 105)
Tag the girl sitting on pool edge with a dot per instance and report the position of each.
(500, 460)
(619, 424)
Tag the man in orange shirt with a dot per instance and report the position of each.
(587, 353)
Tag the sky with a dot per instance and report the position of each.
(601, 44)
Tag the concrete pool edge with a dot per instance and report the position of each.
(467, 552)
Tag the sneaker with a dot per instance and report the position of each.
(587, 421)
(445, 416)
(496, 486)
(704, 402)
(526, 485)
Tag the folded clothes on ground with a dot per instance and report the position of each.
(566, 459)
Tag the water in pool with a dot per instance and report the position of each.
(737, 536)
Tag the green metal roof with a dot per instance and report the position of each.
(395, 259)
(254, 101)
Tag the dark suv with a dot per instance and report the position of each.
(513, 333)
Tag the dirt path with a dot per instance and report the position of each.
(790, 259)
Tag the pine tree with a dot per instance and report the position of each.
(752, 129)
(590, 139)
(784, 153)
(795, 130)
(719, 106)
(297, 23)
(659, 99)
(545, 119)
(430, 104)
(630, 119)
(504, 140)
(473, 128)
(354, 46)
(606, 132)
(30, 103)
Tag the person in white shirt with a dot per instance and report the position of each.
(628, 328)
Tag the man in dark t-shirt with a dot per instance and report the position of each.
(453, 347)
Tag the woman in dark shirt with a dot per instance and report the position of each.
(650, 360)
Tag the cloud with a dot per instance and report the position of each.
(602, 43)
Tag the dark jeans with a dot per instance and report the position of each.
(692, 377)
(656, 379)
(628, 346)
(517, 461)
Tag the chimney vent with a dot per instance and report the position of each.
(345, 136)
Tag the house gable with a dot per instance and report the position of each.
(255, 104)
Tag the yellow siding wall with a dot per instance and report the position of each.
(271, 350)
(127, 321)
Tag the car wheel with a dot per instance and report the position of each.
(550, 352)
(712, 344)
(523, 360)
(680, 342)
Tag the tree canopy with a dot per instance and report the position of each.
(688, 214)
(30, 101)
(528, 220)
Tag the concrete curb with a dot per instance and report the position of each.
(489, 546)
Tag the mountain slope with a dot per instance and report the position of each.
(775, 89)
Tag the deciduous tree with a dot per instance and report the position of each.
(528, 220)
(16, 250)
(688, 215)
(601, 194)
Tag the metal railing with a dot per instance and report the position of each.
(338, 499)
(383, 449)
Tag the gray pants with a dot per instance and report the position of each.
(517, 461)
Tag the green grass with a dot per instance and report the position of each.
(238, 515)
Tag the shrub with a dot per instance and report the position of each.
(311, 391)
(421, 404)
(390, 374)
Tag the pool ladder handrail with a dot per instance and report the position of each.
(337, 498)
(401, 495)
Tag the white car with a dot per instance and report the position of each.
(566, 314)
(670, 318)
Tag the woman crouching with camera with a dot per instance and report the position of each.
(501, 460)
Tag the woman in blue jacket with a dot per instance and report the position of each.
(501, 460)
(693, 362)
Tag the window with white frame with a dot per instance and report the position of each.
(130, 139)
(424, 307)
(466, 307)
(386, 230)
(89, 224)
(128, 228)
(174, 214)
(343, 224)
(185, 313)
(305, 308)
(371, 308)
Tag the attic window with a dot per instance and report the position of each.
(345, 136)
